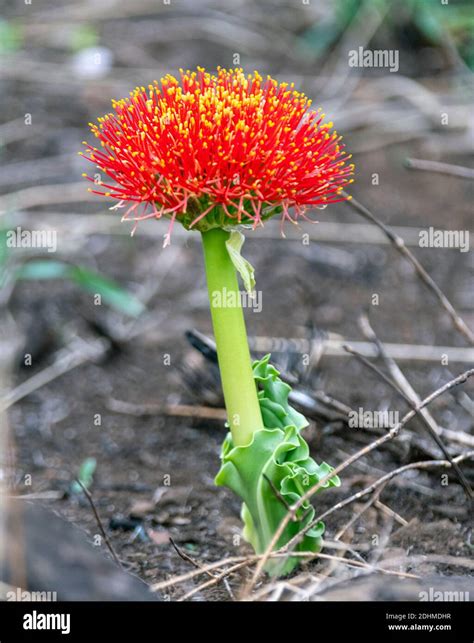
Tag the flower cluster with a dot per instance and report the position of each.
(216, 150)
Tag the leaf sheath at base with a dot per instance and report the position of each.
(273, 472)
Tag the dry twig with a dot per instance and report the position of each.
(441, 168)
(177, 410)
(88, 495)
(413, 402)
(399, 244)
(400, 383)
(238, 562)
(423, 464)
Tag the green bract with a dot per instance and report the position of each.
(220, 217)
(245, 269)
(274, 470)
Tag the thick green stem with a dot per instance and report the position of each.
(240, 393)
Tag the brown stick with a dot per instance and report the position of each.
(441, 168)
(399, 244)
(216, 579)
(88, 495)
(177, 410)
(65, 362)
(411, 402)
(390, 512)
(423, 464)
(237, 562)
(278, 495)
(405, 389)
(356, 516)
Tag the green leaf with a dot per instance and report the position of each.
(44, 269)
(86, 475)
(274, 404)
(83, 36)
(429, 23)
(10, 37)
(244, 268)
(273, 472)
(110, 292)
(4, 249)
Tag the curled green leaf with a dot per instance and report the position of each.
(273, 472)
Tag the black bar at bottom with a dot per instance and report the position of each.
(316, 622)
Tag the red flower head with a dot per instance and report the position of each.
(220, 150)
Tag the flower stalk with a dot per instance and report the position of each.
(265, 460)
(240, 393)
